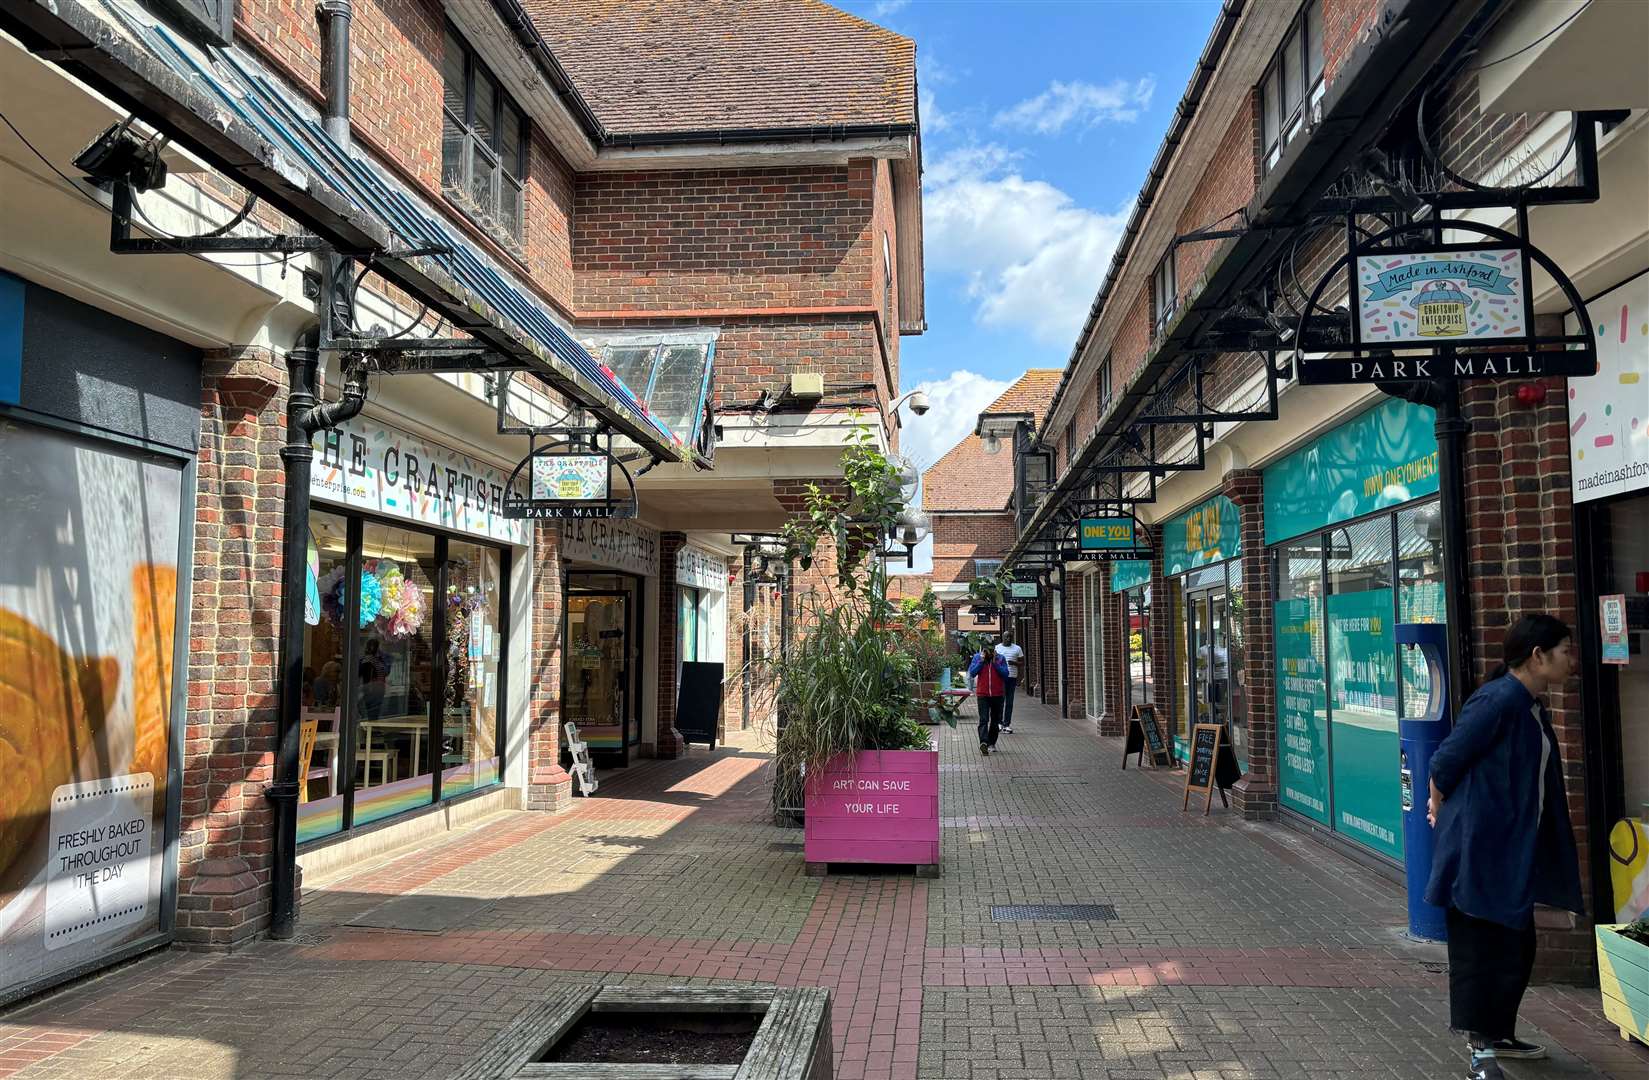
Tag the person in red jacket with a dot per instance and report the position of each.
(990, 684)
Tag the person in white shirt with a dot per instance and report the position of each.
(1014, 656)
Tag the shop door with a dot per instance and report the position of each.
(596, 691)
(1210, 615)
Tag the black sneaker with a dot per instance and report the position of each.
(985, 748)
(1517, 1048)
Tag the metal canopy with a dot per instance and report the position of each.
(218, 103)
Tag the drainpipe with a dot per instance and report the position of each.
(304, 416)
(335, 16)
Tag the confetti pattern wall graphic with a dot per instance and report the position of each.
(1609, 411)
(1460, 296)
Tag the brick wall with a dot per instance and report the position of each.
(226, 840)
(548, 785)
(959, 539)
(670, 743)
(886, 300)
(1255, 795)
(1520, 524)
(1226, 185)
(1047, 652)
(1075, 598)
(758, 238)
(1162, 644)
(1344, 23)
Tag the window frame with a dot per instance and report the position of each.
(1102, 384)
(491, 218)
(1289, 115)
(1164, 293)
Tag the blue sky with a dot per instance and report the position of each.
(1038, 123)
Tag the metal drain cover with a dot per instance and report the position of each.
(1052, 912)
(785, 845)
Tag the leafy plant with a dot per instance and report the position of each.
(1637, 931)
(845, 682)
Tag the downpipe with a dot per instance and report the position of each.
(305, 415)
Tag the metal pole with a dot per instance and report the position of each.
(1451, 431)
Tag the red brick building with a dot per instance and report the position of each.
(1286, 527)
(710, 263)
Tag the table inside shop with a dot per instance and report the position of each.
(415, 726)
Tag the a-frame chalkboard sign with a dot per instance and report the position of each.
(1199, 771)
(1145, 735)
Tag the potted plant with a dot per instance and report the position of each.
(1623, 976)
(850, 753)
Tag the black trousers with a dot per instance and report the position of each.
(1007, 702)
(990, 719)
(1489, 968)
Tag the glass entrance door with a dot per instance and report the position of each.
(1211, 686)
(597, 688)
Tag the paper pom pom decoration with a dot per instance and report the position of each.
(372, 599)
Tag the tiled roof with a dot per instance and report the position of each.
(662, 66)
(967, 478)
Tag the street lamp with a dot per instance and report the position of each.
(995, 427)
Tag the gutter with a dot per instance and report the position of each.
(1212, 52)
(1396, 56)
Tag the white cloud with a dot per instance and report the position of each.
(1031, 257)
(1081, 104)
(884, 8)
(955, 404)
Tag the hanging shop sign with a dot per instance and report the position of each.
(370, 466)
(1024, 590)
(1209, 532)
(1105, 534)
(1428, 309)
(1383, 457)
(569, 477)
(700, 569)
(1609, 411)
(623, 545)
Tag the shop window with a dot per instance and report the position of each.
(1362, 685)
(985, 568)
(1103, 382)
(474, 661)
(1419, 593)
(325, 654)
(1293, 84)
(484, 144)
(1164, 293)
(403, 668)
(395, 676)
(1302, 698)
(598, 682)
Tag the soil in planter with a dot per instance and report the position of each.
(664, 1038)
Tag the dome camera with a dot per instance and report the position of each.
(919, 403)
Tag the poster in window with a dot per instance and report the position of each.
(88, 607)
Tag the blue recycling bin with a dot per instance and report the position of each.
(1418, 738)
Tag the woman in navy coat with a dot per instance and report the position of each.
(1504, 842)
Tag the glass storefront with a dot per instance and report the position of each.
(1370, 557)
(1200, 550)
(1094, 646)
(403, 661)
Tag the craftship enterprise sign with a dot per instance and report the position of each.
(1443, 311)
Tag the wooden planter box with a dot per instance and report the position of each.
(791, 1043)
(879, 806)
(1623, 976)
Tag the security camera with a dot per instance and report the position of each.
(919, 403)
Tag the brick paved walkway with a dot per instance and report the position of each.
(1237, 951)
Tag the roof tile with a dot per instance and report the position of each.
(662, 66)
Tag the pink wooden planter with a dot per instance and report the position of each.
(882, 807)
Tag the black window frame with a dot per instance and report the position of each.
(1164, 293)
(1102, 384)
(489, 149)
(1290, 111)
